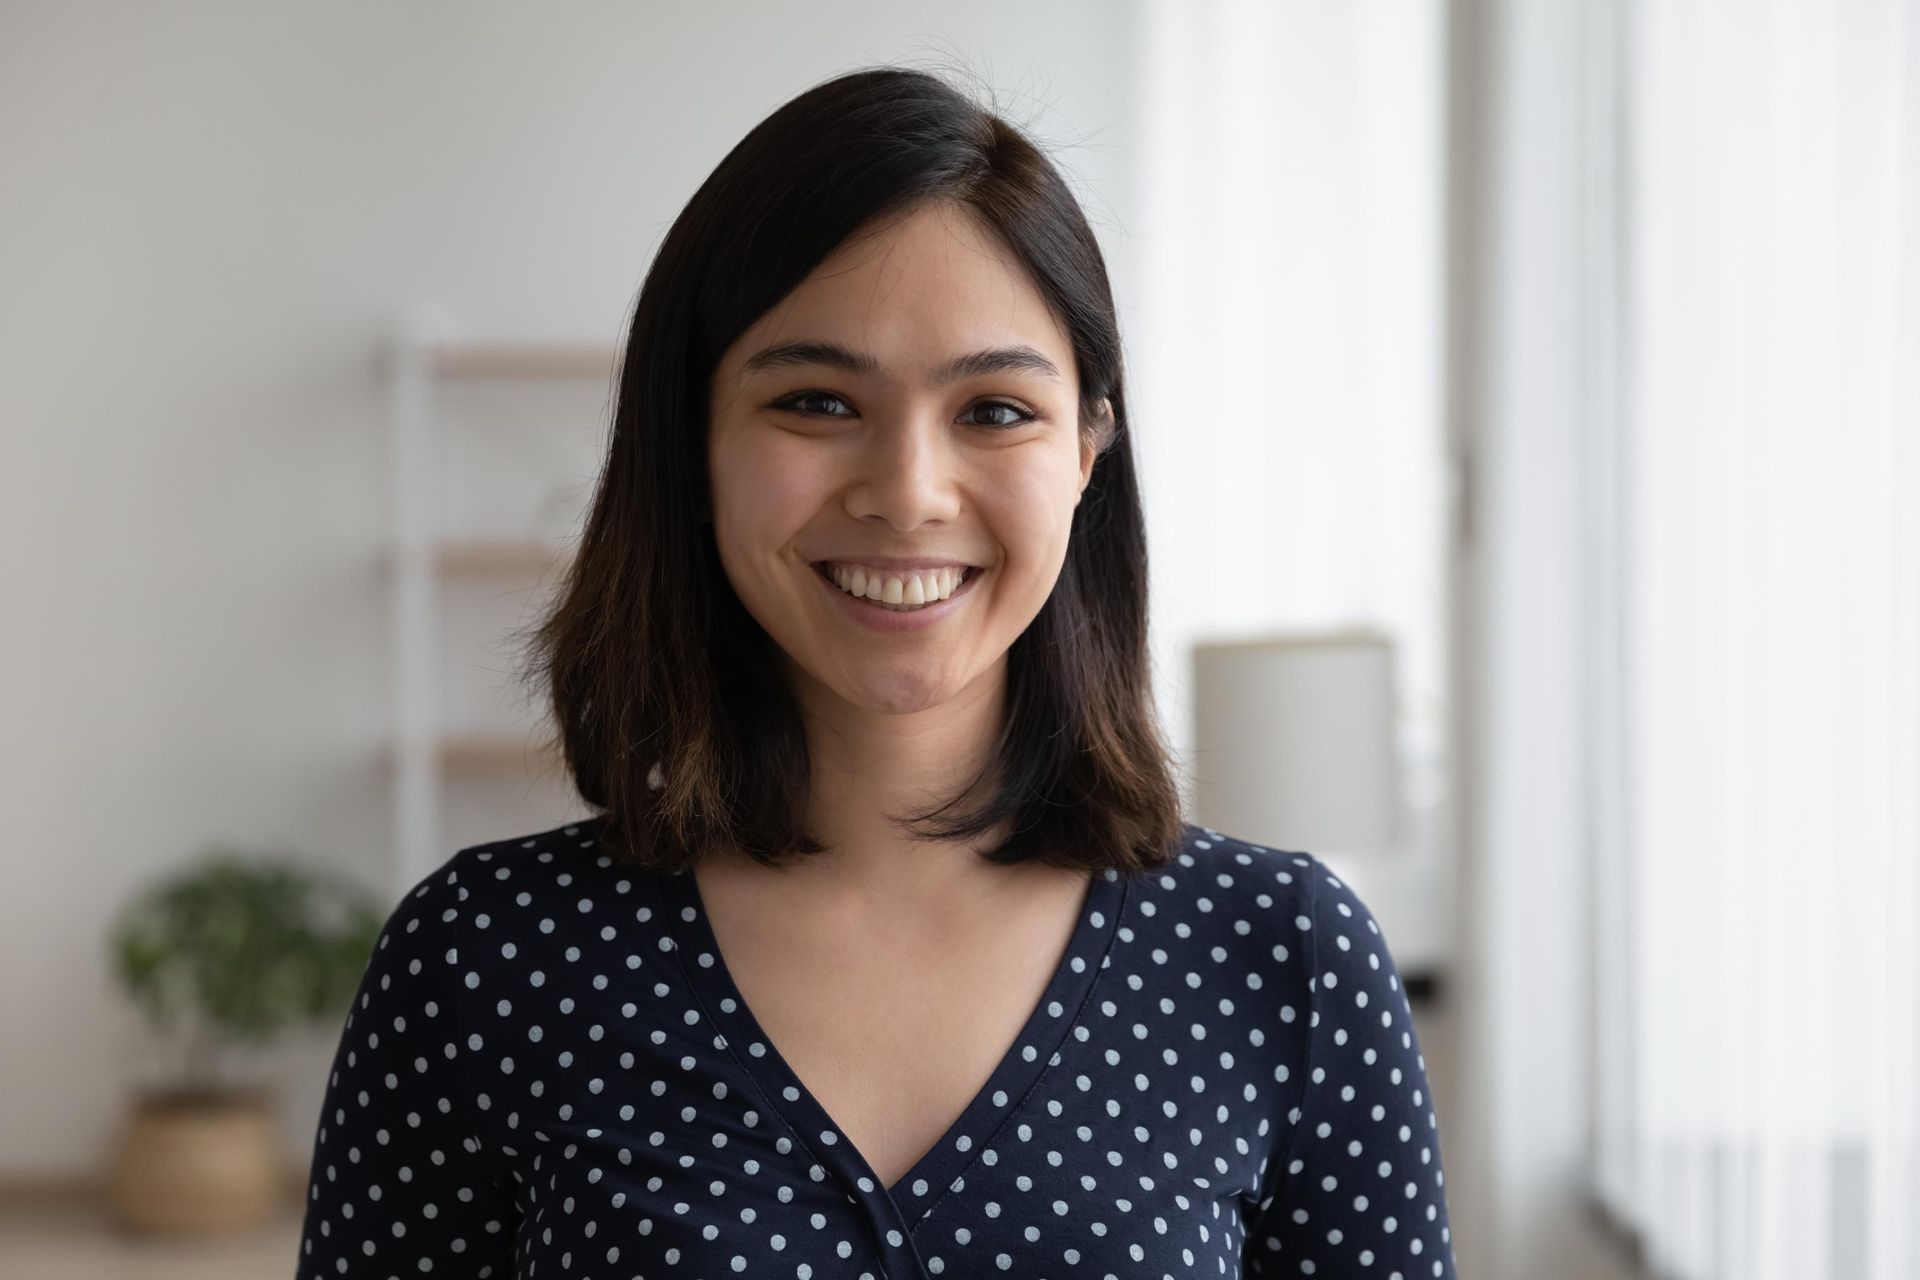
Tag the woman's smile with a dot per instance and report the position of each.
(894, 601)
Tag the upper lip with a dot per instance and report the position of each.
(900, 562)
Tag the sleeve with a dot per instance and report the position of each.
(400, 1182)
(1357, 1187)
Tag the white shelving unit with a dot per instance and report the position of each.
(424, 360)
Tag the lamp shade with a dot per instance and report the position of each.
(1295, 741)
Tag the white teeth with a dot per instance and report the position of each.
(904, 592)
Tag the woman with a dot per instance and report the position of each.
(888, 952)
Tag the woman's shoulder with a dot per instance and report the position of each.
(570, 848)
(1262, 895)
(547, 878)
(1214, 869)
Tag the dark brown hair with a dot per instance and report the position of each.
(649, 658)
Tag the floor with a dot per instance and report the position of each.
(69, 1238)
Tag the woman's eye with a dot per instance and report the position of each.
(800, 401)
(1020, 416)
(809, 402)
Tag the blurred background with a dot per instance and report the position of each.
(1528, 399)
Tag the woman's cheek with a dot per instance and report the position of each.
(1037, 516)
(766, 483)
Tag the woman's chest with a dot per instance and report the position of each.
(646, 1114)
(894, 1034)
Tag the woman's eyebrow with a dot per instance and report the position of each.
(1013, 359)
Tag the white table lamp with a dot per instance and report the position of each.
(1295, 743)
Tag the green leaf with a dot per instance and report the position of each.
(246, 943)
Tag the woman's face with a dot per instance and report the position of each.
(845, 438)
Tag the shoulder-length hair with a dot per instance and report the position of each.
(672, 718)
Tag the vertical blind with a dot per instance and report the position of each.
(1758, 1070)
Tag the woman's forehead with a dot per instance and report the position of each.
(907, 303)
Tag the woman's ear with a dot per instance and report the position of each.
(1096, 435)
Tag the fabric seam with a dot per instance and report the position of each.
(674, 932)
(1313, 1000)
(460, 1032)
(674, 929)
(1079, 1011)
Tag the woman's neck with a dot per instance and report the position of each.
(867, 764)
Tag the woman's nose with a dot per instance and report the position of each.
(908, 474)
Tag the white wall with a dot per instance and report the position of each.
(210, 215)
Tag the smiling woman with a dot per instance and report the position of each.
(888, 952)
(912, 364)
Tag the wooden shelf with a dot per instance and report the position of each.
(500, 559)
(479, 754)
(432, 373)
(524, 360)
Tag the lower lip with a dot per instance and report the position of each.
(869, 614)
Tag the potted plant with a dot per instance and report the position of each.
(223, 955)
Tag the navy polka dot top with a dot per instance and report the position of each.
(547, 1072)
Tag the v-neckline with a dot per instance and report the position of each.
(1027, 1058)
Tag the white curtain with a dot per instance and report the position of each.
(1758, 978)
